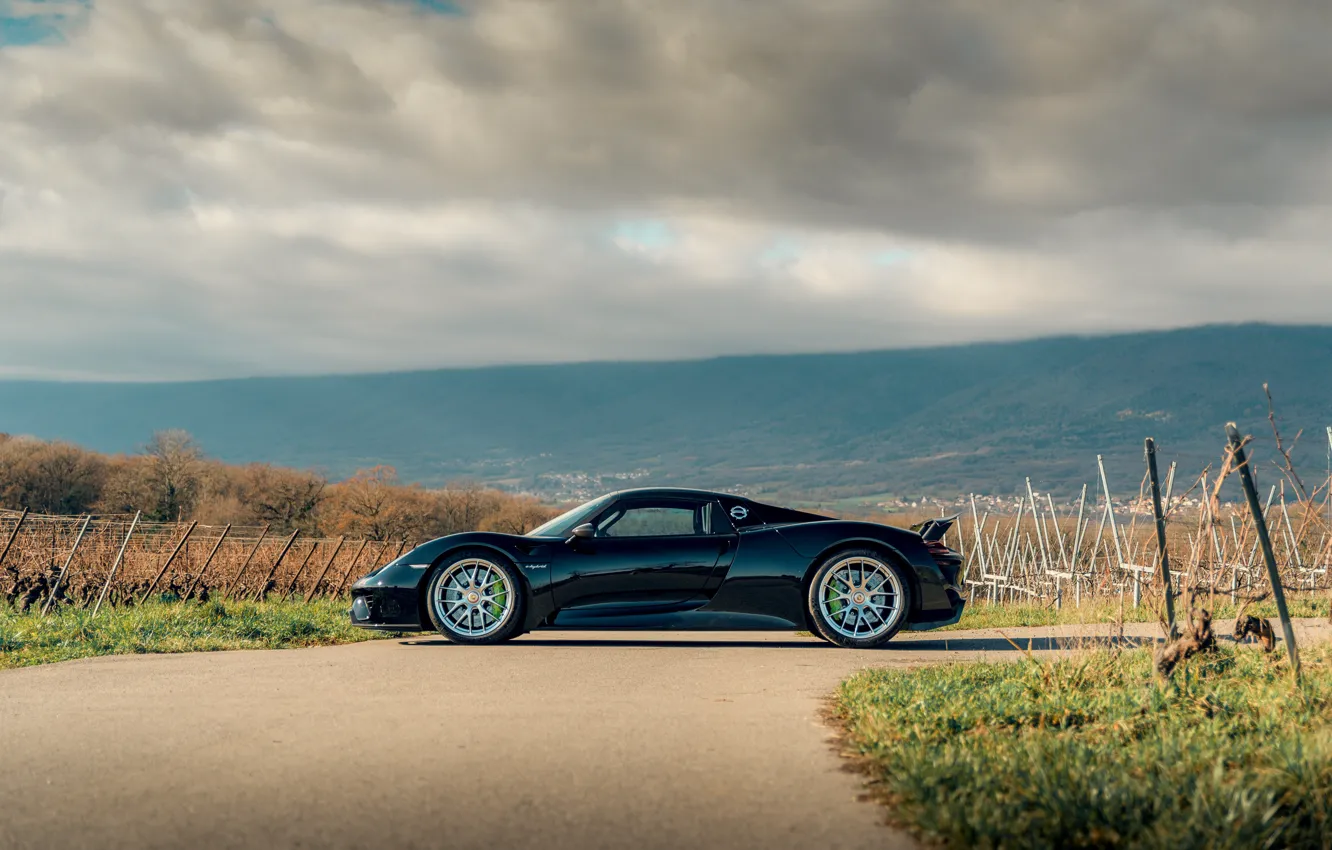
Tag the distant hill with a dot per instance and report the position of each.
(921, 421)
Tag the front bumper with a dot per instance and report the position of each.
(393, 609)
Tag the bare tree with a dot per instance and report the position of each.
(371, 503)
(517, 515)
(462, 507)
(286, 499)
(175, 462)
(54, 478)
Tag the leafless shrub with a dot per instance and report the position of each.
(1247, 625)
(1197, 637)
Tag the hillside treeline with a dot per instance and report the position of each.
(172, 480)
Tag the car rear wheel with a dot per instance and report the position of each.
(859, 599)
(476, 597)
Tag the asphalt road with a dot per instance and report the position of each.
(557, 740)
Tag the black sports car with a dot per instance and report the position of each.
(670, 558)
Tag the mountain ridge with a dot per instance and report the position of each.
(939, 420)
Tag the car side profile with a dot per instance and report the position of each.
(672, 558)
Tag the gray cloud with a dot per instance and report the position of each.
(230, 188)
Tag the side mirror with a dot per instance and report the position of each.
(583, 532)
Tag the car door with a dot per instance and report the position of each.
(646, 554)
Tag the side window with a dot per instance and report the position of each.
(646, 520)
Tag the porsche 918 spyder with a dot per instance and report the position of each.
(672, 558)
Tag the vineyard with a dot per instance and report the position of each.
(1029, 551)
(79, 561)
(1062, 555)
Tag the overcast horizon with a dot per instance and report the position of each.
(195, 190)
(75, 379)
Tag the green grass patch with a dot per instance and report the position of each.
(982, 615)
(1091, 750)
(27, 639)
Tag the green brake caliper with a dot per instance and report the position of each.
(834, 605)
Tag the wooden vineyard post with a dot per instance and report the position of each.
(314, 545)
(226, 591)
(115, 566)
(13, 535)
(314, 588)
(331, 558)
(387, 544)
(1150, 448)
(1260, 522)
(50, 596)
(263, 584)
(218, 545)
(167, 564)
(352, 566)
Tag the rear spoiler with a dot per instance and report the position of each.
(934, 529)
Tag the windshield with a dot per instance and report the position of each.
(563, 524)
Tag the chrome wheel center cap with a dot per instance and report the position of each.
(473, 598)
(859, 598)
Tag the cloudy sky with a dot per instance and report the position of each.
(225, 187)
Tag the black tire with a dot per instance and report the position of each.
(445, 606)
(873, 565)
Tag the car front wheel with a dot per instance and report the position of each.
(476, 597)
(859, 599)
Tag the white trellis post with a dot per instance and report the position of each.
(1114, 534)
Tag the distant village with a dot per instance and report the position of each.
(581, 486)
(1001, 505)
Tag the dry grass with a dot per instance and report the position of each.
(984, 615)
(1095, 750)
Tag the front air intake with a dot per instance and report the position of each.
(360, 609)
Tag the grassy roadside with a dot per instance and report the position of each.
(986, 616)
(27, 639)
(1092, 751)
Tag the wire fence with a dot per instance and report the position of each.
(64, 560)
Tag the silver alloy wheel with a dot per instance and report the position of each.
(474, 597)
(860, 597)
